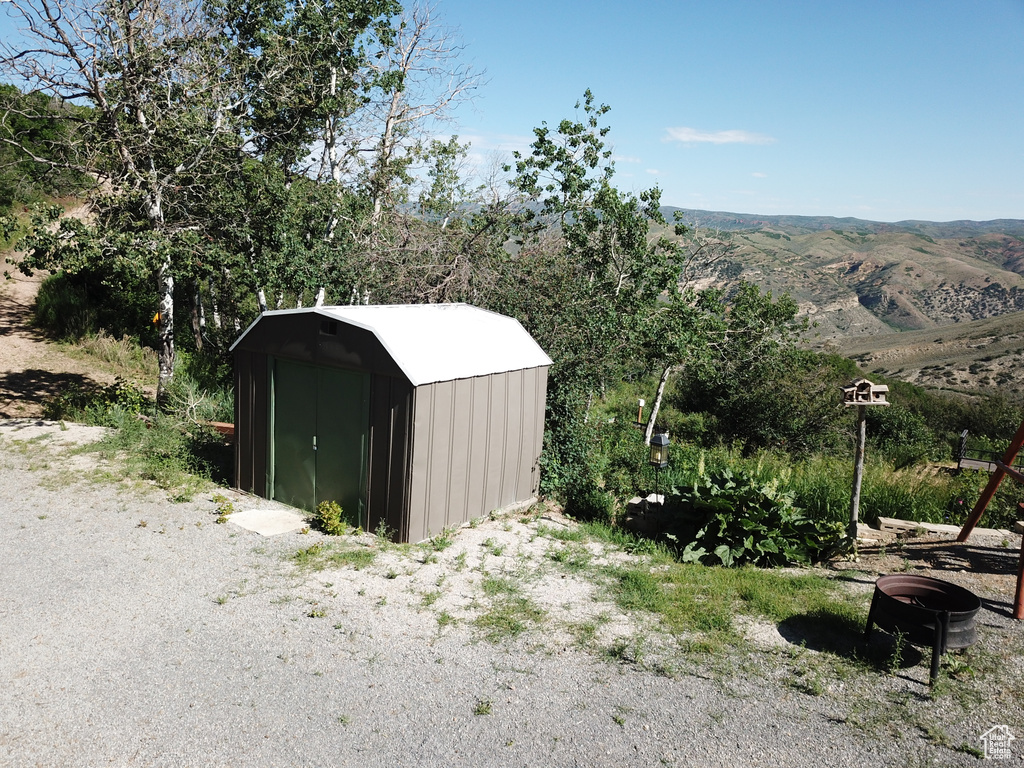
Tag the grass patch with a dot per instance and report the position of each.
(511, 613)
(689, 596)
(572, 558)
(321, 556)
(560, 533)
(122, 356)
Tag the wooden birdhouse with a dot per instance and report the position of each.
(863, 392)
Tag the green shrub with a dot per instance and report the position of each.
(62, 308)
(330, 519)
(193, 404)
(591, 503)
(94, 404)
(747, 521)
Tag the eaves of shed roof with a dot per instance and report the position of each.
(438, 342)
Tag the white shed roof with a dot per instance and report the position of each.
(440, 342)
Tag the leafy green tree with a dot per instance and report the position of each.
(754, 381)
(159, 120)
(585, 277)
(33, 141)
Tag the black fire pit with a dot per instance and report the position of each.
(926, 611)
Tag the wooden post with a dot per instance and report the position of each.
(858, 473)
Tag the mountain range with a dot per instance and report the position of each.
(879, 291)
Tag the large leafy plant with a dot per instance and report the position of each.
(746, 521)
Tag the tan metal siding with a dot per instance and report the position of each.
(495, 442)
(419, 462)
(439, 479)
(478, 397)
(536, 416)
(512, 453)
(460, 452)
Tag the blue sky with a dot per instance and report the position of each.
(879, 109)
(876, 109)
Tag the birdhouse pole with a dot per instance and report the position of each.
(858, 472)
(860, 393)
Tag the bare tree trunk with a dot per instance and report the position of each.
(649, 432)
(214, 307)
(165, 350)
(197, 317)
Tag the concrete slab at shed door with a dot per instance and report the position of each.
(318, 450)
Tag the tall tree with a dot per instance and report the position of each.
(586, 276)
(153, 75)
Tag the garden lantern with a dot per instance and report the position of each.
(659, 450)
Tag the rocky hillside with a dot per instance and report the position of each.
(865, 285)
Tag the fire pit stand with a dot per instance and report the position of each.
(926, 611)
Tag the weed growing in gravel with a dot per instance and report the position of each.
(443, 540)
(330, 518)
(224, 508)
(493, 547)
(585, 632)
(896, 659)
(510, 614)
(483, 707)
(559, 533)
(572, 558)
(320, 556)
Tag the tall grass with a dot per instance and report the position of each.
(822, 485)
(124, 355)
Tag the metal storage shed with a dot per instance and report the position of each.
(420, 416)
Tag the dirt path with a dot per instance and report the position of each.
(32, 369)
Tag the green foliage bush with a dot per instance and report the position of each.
(330, 519)
(71, 306)
(95, 405)
(746, 521)
(63, 310)
(591, 503)
(174, 456)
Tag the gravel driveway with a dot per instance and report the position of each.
(136, 632)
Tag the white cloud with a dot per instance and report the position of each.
(693, 136)
(626, 159)
(653, 171)
(759, 175)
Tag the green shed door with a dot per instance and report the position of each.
(292, 450)
(343, 425)
(320, 437)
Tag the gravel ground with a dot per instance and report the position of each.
(179, 642)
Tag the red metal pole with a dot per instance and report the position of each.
(993, 485)
(1018, 597)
